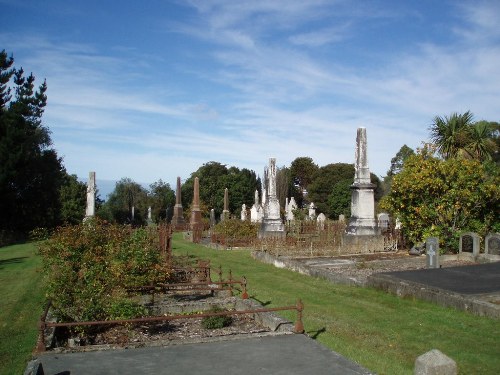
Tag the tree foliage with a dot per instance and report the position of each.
(458, 136)
(31, 173)
(118, 207)
(161, 198)
(73, 196)
(434, 197)
(214, 177)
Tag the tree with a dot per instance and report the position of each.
(434, 197)
(339, 200)
(214, 177)
(73, 196)
(302, 172)
(458, 136)
(31, 173)
(161, 197)
(399, 159)
(118, 207)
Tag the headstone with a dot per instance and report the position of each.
(256, 210)
(435, 362)
(321, 221)
(312, 211)
(91, 191)
(150, 220)
(469, 243)
(292, 206)
(342, 218)
(178, 221)
(397, 224)
(133, 214)
(383, 221)
(492, 244)
(243, 212)
(271, 226)
(432, 252)
(362, 221)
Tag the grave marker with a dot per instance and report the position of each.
(432, 252)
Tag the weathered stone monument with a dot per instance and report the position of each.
(91, 191)
(271, 226)
(178, 221)
(195, 223)
(292, 206)
(256, 210)
(383, 221)
(432, 252)
(362, 221)
(225, 211)
(321, 219)
(469, 245)
(362, 234)
(150, 219)
(243, 214)
(312, 212)
(492, 244)
(212, 218)
(434, 362)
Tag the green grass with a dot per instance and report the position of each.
(382, 332)
(21, 304)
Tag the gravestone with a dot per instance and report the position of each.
(225, 211)
(362, 221)
(271, 226)
(292, 206)
(243, 212)
(212, 218)
(195, 223)
(432, 252)
(342, 218)
(435, 362)
(492, 244)
(256, 210)
(383, 221)
(91, 191)
(133, 214)
(469, 243)
(150, 219)
(178, 221)
(321, 221)
(312, 211)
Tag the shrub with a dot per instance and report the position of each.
(89, 267)
(215, 322)
(235, 228)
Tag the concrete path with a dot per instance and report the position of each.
(284, 354)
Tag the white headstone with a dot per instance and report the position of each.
(243, 212)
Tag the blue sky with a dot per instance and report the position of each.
(154, 89)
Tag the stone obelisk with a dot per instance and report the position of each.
(91, 191)
(178, 221)
(225, 212)
(272, 226)
(195, 222)
(362, 221)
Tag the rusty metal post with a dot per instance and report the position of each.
(230, 283)
(299, 326)
(220, 273)
(244, 295)
(40, 344)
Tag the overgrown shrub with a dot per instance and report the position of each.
(235, 228)
(90, 266)
(215, 322)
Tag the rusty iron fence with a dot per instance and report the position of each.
(43, 324)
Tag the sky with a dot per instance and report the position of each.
(154, 89)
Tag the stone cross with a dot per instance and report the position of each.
(432, 252)
(91, 190)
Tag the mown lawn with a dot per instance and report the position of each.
(382, 332)
(21, 304)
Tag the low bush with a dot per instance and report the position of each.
(215, 322)
(89, 267)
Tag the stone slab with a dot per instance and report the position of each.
(285, 354)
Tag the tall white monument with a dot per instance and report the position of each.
(272, 226)
(91, 191)
(362, 221)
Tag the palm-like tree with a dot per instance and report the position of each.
(451, 135)
(481, 145)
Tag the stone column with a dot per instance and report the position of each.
(178, 221)
(195, 207)
(91, 191)
(362, 220)
(225, 212)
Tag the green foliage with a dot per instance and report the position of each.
(214, 178)
(73, 196)
(216, 322)
(434, 197)
(235, 228)
(31, 173)
(89, 266)
(161, 197)
(339, 200)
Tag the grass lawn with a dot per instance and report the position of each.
(21, 304)
(382, 332)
